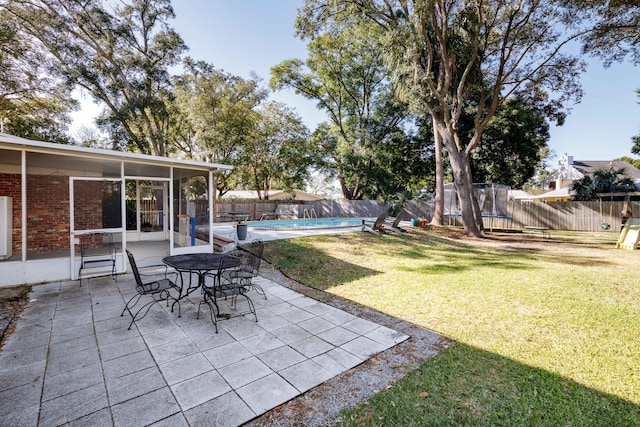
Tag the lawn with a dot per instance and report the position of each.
(544, 332)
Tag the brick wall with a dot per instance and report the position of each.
(47, 213)
(48, 210)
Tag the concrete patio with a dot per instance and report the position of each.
(72, 359)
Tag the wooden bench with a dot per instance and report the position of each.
(542, 231)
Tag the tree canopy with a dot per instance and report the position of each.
(446, 52)
(121, 57)
(32, 104)
(365, 141)
(214, 115)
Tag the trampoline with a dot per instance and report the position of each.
(493, 200)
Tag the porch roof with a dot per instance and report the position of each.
(98, 159)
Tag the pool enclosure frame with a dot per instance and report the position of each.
(59, 193)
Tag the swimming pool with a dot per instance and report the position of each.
(305, 224)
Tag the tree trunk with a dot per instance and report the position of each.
(346, 192)
(477, 212)
(462, 178)
(438, 209)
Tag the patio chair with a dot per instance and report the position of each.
(270, 215)
(97, 256)
(394, 225)
(376, 226)
(251, 257)
(223, 286)
(158, 290)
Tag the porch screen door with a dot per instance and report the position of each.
(153, 205)
(95, 206)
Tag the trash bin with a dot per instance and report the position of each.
(242, 231)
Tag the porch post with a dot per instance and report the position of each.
(123, 219)
(24, 204)
(171, 237)
(212, 185)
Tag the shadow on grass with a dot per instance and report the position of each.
(300, 259)
(465, 385)
(331, 260)
(505, 255)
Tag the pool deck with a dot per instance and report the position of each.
(228, 230)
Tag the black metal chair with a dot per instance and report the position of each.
(158, 290)
(251, 257)
(224, 285)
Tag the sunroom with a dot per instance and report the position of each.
(53, 197)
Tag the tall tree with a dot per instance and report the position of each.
(214, 116)
(120, 56)
(440, 50)
(32, 104)
(279, 151)
(515, 141)
(616, 33)
(345, 74)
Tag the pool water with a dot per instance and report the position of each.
(305, 224)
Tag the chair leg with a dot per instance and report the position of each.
(251, 307)
(258, 290)
(212, 311)
(127, 307)
(175, 301)
(147, 306)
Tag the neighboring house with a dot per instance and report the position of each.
(55, 196)
(273, 195)
(570, 171)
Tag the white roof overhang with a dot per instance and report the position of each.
(106, 162)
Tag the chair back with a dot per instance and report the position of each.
(399, 217)
(134, 268)
(256, 249)
(380, 220)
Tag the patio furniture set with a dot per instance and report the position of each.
(217, 276)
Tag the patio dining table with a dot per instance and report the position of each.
(200, 264)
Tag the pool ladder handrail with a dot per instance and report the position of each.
(309, 214)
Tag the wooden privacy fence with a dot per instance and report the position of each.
(575, 216)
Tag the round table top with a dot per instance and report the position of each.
(202, 261)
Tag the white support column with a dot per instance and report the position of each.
(23, 172)
(171, 216)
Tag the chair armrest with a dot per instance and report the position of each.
(156, 270)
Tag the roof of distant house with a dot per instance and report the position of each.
(588, 167)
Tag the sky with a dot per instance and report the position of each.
(251, 36)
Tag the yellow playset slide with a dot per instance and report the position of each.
(630, 235)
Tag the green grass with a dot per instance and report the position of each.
(540, 337)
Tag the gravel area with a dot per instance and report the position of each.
(12, 302)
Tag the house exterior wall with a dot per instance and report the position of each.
(47, 213)
(48, 210)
